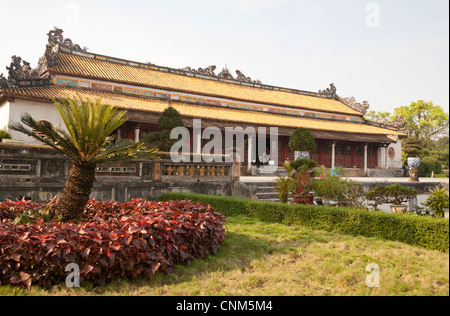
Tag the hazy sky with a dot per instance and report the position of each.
(388, 52)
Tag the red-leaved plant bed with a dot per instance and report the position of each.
(112, 241)
(10, 209)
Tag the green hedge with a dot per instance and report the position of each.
(427, 232)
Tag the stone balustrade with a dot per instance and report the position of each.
(39, 173)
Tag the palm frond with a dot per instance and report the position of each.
(126, 149)
(41, 132)
(89, 128)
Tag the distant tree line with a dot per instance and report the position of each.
(428, 128)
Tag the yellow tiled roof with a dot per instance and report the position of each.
(107, 71)
(199, 111)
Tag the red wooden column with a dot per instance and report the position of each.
(191, 141)
(321, 154)
(285, 145)
(354, 146)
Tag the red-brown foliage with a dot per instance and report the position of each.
(113, 241)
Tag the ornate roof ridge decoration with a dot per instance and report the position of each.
(56, 37)
(242, 77)
(360, 107)
(21, 75)
(56, 42)
(397, 125)
(329, 93)
(224, 74)
(208, 71)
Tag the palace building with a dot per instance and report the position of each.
(219, 99)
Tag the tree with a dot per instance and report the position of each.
(412, 148)
(88, 142)
(168, 120)
(379, 117)
(427, 125)
(424, 120)
(439, 150)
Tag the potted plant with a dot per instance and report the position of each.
(353, 195)
(438, 202)
(330, 188)
(395, 195)
(302, 143)
(304, 169)
(285, 185)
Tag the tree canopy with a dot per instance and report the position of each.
(427, 126)
(424, 120)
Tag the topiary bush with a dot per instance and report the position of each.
(113, 241)
(302, 140)
(167, 121)
(4, 134)
(303, 165)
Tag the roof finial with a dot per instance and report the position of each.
(55, 37)
(329, 92)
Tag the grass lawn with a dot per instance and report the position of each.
(276, 260)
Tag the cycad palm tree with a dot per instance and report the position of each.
(88, 142)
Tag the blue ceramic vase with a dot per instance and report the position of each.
(414, 162)
(301, 155)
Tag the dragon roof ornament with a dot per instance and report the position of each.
(329, 92)
(360, 107)
(208, 71)
(56, 37)
(224, 74)
(20, 74)
(397, 125)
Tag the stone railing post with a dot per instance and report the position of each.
(38, 167)
(157, 171)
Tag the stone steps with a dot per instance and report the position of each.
(265, 192)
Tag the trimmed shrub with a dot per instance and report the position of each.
(395, 194)
(302, 140)
(4, 134)
(428, 165)
(303, 165)
(116, 241)
(427, 232)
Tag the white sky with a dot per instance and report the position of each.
(388, 52)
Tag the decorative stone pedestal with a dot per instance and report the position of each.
(414, 164)
(414, 174)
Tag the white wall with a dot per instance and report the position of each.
(4, 116)
(39, 111)
(395, 163)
